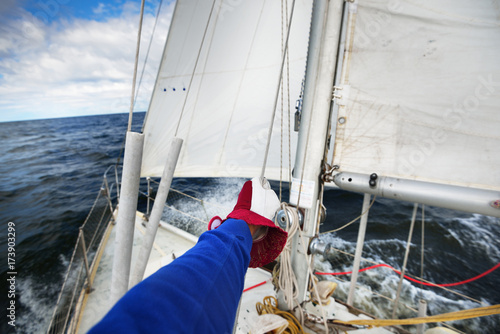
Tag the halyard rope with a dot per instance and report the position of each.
(284, 8)
(270, 131)
(270, 306)
(287, 280)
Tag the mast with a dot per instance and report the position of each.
(313, 132)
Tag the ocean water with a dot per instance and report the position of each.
(51, 172)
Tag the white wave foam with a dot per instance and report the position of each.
(478, 232)
(37, 302)
(38, 298)
(383, 281)
(215, 199)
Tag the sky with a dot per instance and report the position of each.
(66, 58)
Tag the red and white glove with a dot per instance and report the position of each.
(257, 205)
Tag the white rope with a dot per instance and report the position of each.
(287, 279)
(284, 8)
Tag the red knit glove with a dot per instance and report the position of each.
(257, 205)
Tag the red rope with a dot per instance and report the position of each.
(256, 285)
(416, 280)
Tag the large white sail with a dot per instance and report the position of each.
(225, 108)
(421, 92)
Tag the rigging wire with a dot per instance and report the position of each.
(270, 131)
(132, 97)
(422, 242)
(405, 260)
(147, 52)
(284, 8)
(281, 118)
(194, 67)
(354, 220)
(289, 116)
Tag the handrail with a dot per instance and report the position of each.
(78, 274)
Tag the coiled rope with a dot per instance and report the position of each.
(287, 281)
(286, 278)
(270, 306)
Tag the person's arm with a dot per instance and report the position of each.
(198, 292)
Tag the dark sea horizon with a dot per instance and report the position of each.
(52, 170)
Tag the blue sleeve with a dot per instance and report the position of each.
(198, 292)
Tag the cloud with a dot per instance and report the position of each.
(100, 8)
(74, 66)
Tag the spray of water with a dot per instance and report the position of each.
(373, 284)
(213, 198)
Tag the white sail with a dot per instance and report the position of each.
(225, 108)
(421, 92)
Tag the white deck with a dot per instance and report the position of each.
(172, 242)
(169, 242)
